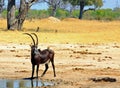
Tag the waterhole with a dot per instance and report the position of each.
(7, 83)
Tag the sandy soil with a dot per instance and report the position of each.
(76, 64)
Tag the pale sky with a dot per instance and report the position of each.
(107, 4)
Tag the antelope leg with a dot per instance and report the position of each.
(46, 68)
(33, 67)
(37, 70)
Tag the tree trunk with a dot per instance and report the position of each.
(82, 4)
(53, 10)
(11, 20)
(1, 6)
(16, 22)
(23, 10)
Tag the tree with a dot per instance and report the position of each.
(1, 6)
(16, 22)
(53, 5)
(83, 3)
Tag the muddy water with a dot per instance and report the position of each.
(7, 83)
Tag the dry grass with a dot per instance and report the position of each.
(68, 31)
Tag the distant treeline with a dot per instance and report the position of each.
(100, 14)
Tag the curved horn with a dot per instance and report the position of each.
(31, 37)
(36, 38)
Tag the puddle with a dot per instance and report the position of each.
(7, 83)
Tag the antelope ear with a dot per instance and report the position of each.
(39, 50)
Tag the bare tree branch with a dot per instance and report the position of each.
(31, 2)
(89, 9)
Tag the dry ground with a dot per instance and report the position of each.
(84, 50)
(70, 30)
(75, 64)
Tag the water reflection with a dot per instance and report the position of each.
(23, 83)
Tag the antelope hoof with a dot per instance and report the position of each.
(32, 78)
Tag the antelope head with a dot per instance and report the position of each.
(34, 46)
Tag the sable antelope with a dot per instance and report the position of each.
(40, 56)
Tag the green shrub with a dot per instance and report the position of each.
(100, 14)
(60, 13)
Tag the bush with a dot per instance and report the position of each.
(60, 13)
(37, 14)
(100, 14)
(4, 14)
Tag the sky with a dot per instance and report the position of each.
(111, 4)
(107, 4)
